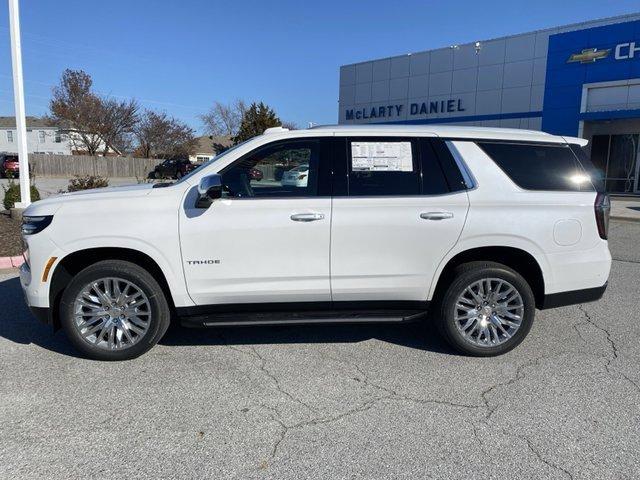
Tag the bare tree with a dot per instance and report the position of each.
(224, 119)
(77, 110)
(118, 121)
(162, 136)
(91, 121)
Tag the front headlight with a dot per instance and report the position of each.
(33, 225)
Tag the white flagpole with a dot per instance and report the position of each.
(18, 93)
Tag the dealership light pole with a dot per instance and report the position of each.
(18, 93)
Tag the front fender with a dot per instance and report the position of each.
(170, 266)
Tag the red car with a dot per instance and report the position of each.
(255, 174)
(9, 166)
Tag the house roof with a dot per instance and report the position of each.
(32, 122)
(205, 143)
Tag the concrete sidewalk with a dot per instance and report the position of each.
(625, 208)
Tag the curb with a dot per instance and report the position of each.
(11, 262)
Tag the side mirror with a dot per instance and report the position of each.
(209, 189)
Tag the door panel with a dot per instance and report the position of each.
(392, 227)
(381, 248)
(254, 252)
(267, 239)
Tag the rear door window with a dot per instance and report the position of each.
(540, 166)
(383, 166)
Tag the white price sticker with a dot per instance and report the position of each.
(381, 157)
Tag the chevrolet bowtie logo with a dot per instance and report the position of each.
(589, 55)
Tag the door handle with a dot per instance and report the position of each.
(436, 215)
(307, 217)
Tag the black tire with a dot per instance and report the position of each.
(160, 313)
(465, 275)
(153, 175)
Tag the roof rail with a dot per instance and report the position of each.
(275, 130)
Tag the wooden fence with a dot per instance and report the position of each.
(69, 165)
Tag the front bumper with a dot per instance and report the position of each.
(43, 314)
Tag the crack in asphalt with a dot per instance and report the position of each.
(519, 375)
(625, 261)
(394, 395)
(253, 352)
(285, 429)
(390, 394)
(539, 455)
(614, 347)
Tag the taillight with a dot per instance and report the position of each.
(602, 208)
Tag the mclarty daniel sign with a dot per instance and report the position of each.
(451, 105)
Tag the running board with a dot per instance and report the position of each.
(289, 318)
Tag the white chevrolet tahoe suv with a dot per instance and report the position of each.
(476, 227)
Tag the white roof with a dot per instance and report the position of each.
(445, 131)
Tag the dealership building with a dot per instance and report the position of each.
(577, 80)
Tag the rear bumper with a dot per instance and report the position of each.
(562, 299)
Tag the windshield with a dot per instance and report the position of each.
(206, 164)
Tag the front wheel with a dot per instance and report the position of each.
(114, 310)
(487, 310)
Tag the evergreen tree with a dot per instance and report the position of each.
(255, 120)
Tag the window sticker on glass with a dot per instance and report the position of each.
(381, 157)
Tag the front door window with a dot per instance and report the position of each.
(284, 170)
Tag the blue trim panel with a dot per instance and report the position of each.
(469, 118)
(611, 115)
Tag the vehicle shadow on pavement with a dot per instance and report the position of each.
(18, 325)
(414, 335)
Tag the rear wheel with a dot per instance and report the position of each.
(487, 310)
(114, 310)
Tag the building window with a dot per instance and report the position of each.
(41, 136)
(58, 137)
(10, 136)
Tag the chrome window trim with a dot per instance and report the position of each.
(469, 180)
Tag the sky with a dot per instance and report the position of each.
(180, 57)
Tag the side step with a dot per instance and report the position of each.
(305, 318)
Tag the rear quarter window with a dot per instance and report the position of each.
(596, 174)
(540, 166)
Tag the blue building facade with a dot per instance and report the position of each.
(576, 80)
(598, 58)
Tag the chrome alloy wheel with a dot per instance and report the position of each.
(112, 313)
(489, 312)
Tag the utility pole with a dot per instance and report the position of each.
(18, 93)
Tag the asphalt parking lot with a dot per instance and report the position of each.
(332, 402)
